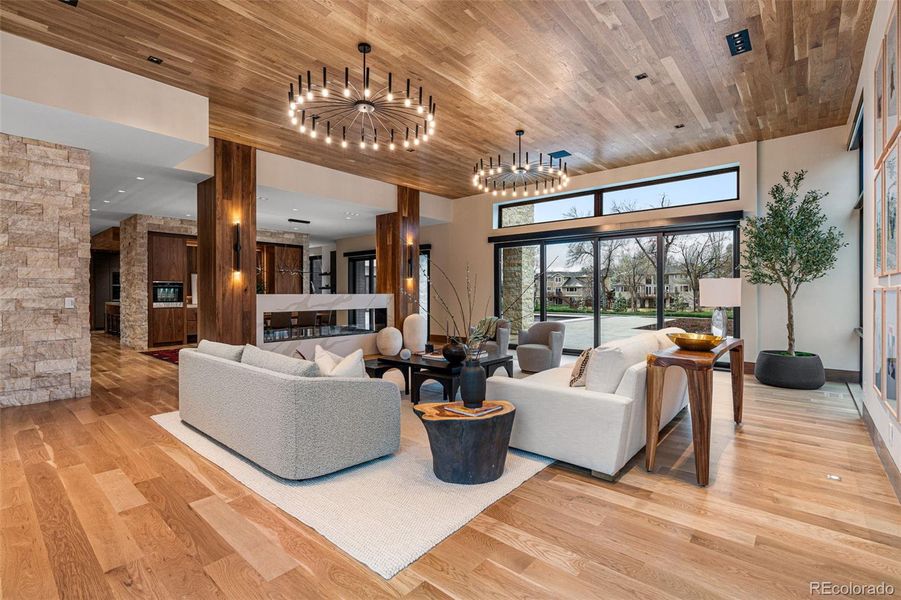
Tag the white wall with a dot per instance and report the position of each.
(886, 423)
(826, 310)
(59, 97)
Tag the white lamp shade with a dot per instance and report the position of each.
(721, 291)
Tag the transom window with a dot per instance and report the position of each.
(704, 187)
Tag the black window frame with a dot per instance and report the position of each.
(599, 196)
(683, 225)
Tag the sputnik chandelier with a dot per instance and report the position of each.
(520, 176)
(361, 115)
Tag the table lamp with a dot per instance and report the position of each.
(720, 292)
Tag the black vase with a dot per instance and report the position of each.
(472, 384)
(454, 352)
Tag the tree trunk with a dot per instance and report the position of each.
(790, 324)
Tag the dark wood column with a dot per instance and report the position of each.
(226, 216)
(397, 254)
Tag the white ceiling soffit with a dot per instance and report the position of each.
(59, 97)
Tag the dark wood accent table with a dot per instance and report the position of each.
(699, 369)
(415, 363)
(467, 450)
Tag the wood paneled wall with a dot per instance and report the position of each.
(396, 243)
(227, 298)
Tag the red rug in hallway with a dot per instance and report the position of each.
(166, 355)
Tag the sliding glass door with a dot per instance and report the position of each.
(606, 287)
(361, 280)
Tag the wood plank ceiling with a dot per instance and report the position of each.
(563, 71)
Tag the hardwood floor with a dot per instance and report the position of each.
(98, 501)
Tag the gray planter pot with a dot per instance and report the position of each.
(804, 372)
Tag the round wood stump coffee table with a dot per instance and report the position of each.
(467, 450)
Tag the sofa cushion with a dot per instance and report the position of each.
(221, 350)
(608, 363)
(580, 370)
(332, 365)
(279, 363)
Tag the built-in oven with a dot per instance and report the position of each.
(168, 294)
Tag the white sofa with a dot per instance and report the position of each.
(295, 427)
(585, 426)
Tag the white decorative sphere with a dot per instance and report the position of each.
(415, 330)
(406, 354)
(389, 341)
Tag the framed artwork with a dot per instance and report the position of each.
(890, 212)
(878, 239)
(878, 366)
(890, 339)
(879, 105)
(891, 75)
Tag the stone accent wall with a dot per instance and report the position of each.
(133, 267)
(519, 264)
(45, 253)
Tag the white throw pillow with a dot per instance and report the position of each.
(608, 363)
(332, 365)
(279, 363)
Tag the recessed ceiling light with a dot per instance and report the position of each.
(739, 42)
(347, 218)
(679, 126)
(833, 477)
(188, 214)
(641, 76)
(294, 209)
(93, 210)
(106, 201)
(294, 228)
(139, 178)
(155, 59)
(121, 191)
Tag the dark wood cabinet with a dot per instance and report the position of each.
(191, 321)
(167, 326)
(167, 257)
(167, 260)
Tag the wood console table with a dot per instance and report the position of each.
(699, 369)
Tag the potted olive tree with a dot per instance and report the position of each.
(789, 246)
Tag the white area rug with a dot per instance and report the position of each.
(373, 511)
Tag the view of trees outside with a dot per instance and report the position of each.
(627, 282)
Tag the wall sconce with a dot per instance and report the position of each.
(237, 247)
(409, 260)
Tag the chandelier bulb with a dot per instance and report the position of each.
(494, 193)
(482, 172)
(407, 102)
(310, 95)
(406, 143)
(425, 137)
(389, 97)
(325, 92)
(416, 142)
(347, 92)
(420, 109)
(299, 100)
(429, 117)
(362, 145)
(344, 143)
(303, 128)
(293, 120)
(391, 146)
(292, 106)
(375, 146)
(328, 139)
(313, 133)
(366, 92)
(291, 113)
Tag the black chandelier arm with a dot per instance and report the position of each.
(409, 120)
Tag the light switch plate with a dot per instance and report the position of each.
(70, 303)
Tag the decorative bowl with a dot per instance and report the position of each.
(698, 342)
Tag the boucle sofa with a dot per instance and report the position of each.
(294, 427)
(600, 426)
